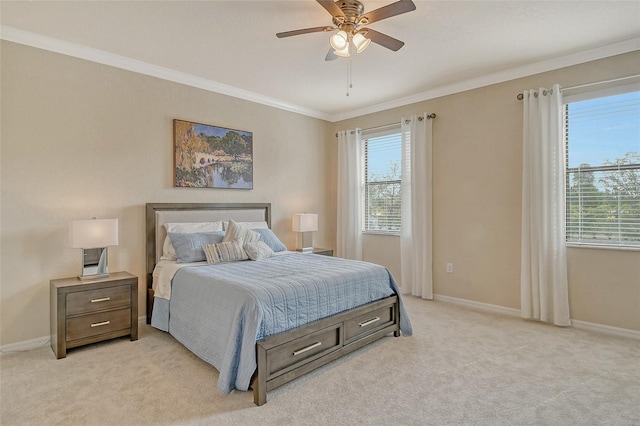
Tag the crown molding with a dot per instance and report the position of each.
(500, 77)
(27, 38)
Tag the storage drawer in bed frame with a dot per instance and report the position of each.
(368, 323)
(286, 356)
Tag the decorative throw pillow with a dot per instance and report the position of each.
(236, 231)
(228, 251)
(270, 239)
(258, 250)
(188, 246)
(168, 252)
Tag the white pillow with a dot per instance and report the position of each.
(250, 225)
(258, 250)
(236, 231)
(168, 252)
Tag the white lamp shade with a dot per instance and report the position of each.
(343, 53)
(305, 222)
(93, 233)
(339, 40)
(360, 42)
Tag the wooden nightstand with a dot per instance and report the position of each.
(324, 252)
(90, 311)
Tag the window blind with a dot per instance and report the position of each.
(382, 171)
(603, 171)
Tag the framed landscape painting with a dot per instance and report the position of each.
(212, 157)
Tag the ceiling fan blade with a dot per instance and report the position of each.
(330, 55)
(393, 9)
(331, 7)
(304, 31)
(383, 39)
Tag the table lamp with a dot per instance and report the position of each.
(93, 236)
(305, 224)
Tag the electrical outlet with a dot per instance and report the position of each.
(450, 268)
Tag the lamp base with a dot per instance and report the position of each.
(305, 242)
(94, 264)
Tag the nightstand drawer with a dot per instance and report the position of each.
(95, 324)
(83, 302)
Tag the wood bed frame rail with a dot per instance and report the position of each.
(276, 354)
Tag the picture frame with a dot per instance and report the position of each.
(207, 156)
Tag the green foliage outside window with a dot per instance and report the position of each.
(604, 202)
(384, 200)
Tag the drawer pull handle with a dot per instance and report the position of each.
(371, 321)
(102, 299)
(98, 324)
(308, 348)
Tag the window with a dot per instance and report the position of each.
(382, 164)
(602, 137)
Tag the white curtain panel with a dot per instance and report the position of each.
(416, 230)
(544, 293)
(349, 235)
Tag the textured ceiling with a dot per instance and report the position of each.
(233, 43)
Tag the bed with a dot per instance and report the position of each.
(265, 323)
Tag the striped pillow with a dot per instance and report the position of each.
(236, 231)
(229, 251)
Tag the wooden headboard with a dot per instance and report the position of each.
(160, 213)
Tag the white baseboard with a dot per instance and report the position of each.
(582, 325)
(25, 345)
(486, 307)
(601, 328)
(496, 309)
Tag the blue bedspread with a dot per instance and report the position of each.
(220, 311)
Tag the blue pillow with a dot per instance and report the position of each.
(270, 239)
(188, 246)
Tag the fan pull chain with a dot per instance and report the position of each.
(349, 76)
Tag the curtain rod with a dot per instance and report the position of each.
(429, 117)
(579, 86)
(384, 126)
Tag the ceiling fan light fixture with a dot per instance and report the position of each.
(349, 19)
(339, 40)
(344, 52)
(360, 42)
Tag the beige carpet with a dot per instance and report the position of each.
(461, 367)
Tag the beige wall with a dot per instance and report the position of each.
(80, 139)
(477, 194)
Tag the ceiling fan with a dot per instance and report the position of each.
(349, 19)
